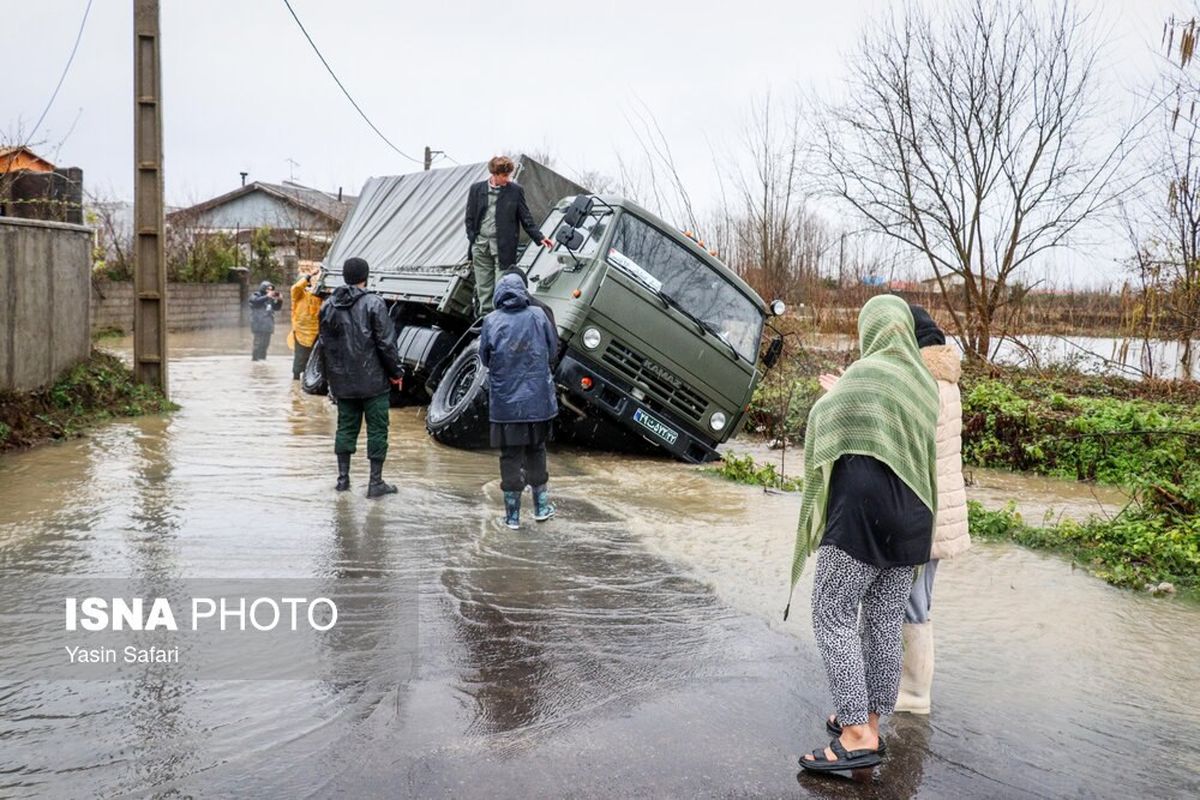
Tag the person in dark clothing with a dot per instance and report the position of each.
(263, 305)
(517, 345)
(495, 209)
(361, 361)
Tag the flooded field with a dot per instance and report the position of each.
(1127, 358)
(632, 647)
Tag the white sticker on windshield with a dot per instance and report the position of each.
(629, 265)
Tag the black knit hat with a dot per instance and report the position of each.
(928, 332)
(355, 271)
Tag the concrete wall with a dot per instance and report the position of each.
(45, 286)
(190, 306)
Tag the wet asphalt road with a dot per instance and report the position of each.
(629, 648)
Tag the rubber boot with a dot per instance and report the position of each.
(377, 488)
(543, 509)
(343, 481)
(916, 675)
(512, 509)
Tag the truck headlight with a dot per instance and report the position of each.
(717, 421)
(591, 338)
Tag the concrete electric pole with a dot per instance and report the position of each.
(150, 268)
(429, 154)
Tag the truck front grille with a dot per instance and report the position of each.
(645, 372)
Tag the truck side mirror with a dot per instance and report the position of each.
(569, 237)
(774, 351)
(578, 211)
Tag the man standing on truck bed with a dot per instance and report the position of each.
(495, 208)
(361, 360)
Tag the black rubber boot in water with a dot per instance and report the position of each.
(343, 481)
(377, 488)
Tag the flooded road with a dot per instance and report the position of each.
(632, 647)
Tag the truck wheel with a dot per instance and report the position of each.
(458, 411)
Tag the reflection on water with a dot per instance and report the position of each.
(630, 647)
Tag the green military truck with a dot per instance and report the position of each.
(659, 341)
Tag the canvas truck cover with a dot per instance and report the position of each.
(415, 222)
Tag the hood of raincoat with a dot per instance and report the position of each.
(262, 287)
(346, 296)
(510, 293)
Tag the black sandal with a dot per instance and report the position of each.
(846, 759)
(835, 729)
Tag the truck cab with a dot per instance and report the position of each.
(658, 334)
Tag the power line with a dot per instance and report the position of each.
(61, 78)
(333, 75)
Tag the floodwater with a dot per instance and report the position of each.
(632, 647)
(1128, 358)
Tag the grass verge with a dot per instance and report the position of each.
(93, 391)
(1135, 549)
(744, 469)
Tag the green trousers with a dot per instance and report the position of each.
(350, 416)
(486, 263)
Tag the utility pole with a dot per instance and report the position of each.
(150, 269)
(429, 154)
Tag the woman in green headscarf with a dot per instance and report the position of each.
(870, 493)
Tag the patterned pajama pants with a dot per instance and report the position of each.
(862, 653)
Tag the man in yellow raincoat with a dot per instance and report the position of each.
(305, 309)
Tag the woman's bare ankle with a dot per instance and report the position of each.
(858, 737)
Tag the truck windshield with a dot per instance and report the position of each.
(689, 281)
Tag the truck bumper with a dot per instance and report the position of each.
(614, 397)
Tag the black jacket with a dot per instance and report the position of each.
(359, 344)
(511, 209)
(262, 311)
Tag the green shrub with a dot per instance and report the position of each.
(1107, 439)
(743, 469)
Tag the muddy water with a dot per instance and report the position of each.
(631, 647)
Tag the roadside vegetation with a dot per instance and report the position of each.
(1140, 548)
(1140, 435)
(98, 389)
(744, 469)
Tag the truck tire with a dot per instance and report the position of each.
(458, 411)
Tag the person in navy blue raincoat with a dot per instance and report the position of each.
(518, 345)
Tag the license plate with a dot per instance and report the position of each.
(659, 429)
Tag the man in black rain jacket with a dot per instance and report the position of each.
(361, 362)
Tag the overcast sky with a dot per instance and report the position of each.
(244, 91)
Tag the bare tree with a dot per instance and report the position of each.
(968, 136)
(773, 225)
(657, 182)
(1166, 233)
(113, 221)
